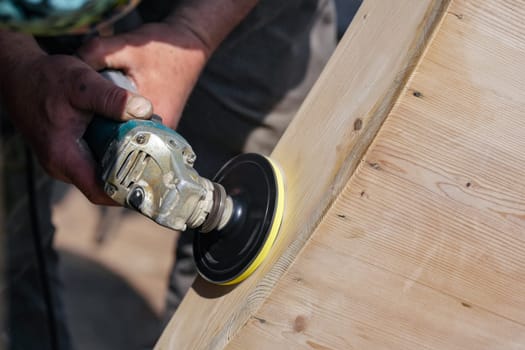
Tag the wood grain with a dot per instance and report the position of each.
(318, 154)
(424, 247)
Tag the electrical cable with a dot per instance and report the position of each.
(41, 261)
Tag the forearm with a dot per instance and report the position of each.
(210, 21)
(17, 50)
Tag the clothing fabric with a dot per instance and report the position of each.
(246, 96)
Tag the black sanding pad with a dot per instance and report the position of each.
(256, 187)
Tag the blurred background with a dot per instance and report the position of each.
(115, 264)
(114, 267)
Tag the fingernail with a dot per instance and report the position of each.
(139, 107)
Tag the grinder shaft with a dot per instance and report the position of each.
(220, 212)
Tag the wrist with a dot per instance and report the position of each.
(194, 38)
(180, 34)
(209, 22)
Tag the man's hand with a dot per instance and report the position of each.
(163, 61)
(51, 100)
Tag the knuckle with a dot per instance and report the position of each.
(55, 113)
(114, 100)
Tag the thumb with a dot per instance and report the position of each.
(89, 91)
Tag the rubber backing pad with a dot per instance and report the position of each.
(231, 255)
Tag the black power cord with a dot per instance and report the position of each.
(37, 241)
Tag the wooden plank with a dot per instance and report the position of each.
(318, 153)
(424, 248)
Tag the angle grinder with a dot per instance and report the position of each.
(148, 167)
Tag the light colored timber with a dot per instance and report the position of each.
(318, 153)
(425, 246)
